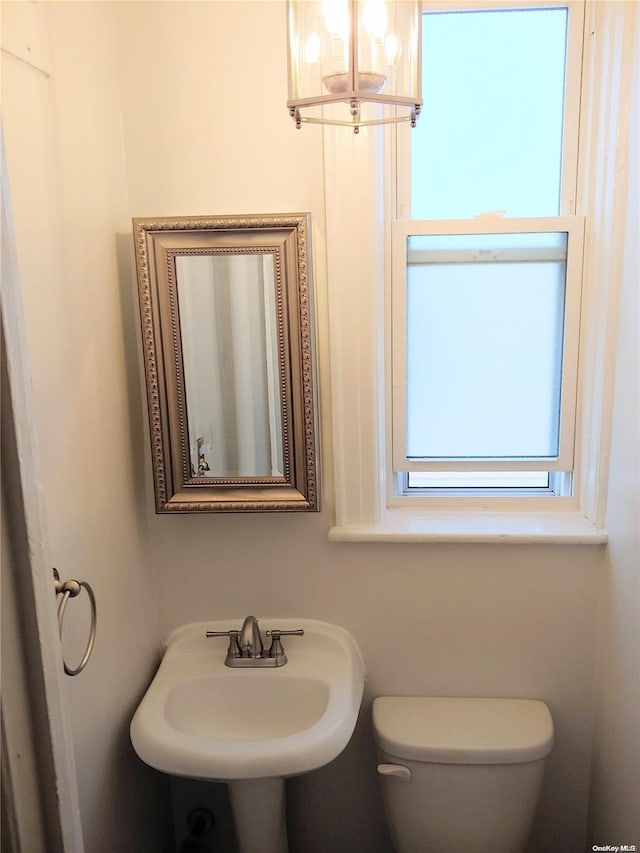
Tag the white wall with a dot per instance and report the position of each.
(207, 132)
(61, 118)
(198, 90)
(614, 812)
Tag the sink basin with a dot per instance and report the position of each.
(204, 720)
(226, 708)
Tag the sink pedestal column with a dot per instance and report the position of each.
(259, 813)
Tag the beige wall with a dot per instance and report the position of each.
(212, 135)
(615, 795)
(61, 118)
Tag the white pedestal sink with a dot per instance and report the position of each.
(251, 727)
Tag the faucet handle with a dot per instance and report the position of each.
(277, 632)
(234, 646)
(276, 650)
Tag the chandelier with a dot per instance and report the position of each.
(354, 62)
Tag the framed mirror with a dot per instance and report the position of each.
(228, 340)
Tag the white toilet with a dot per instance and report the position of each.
(461, 774)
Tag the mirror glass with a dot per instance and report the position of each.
(228, 326)
(228, 342)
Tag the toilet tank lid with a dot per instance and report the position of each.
(463, 731)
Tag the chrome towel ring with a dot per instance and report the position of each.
(70, 589)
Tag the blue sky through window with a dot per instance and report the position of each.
(490, 134)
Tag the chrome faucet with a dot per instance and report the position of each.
(251, 645)
(247, 649)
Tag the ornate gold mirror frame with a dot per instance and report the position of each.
(228, 341)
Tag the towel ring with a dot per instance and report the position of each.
(70, 589)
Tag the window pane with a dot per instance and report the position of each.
(484, 350)
(490, 134)
(478, 480)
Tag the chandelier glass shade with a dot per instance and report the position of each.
(354, 62)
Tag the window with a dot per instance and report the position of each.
(485, 363)
(362, 175)
(485, 311)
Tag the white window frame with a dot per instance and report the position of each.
(560, 497)
(359, 207)
(401, 231)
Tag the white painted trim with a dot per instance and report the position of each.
(475, 527)
(355, 281)
(23, 800)
(603, 199)
(498, 5)
(571, 125)
(65, 823)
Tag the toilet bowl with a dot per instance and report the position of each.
(461, 774)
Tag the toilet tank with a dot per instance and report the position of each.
(473, 773)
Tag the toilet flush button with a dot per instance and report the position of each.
(398, 770)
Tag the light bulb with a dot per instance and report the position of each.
(392, 49)
(336, 18)
(312, 48)
(374, 18)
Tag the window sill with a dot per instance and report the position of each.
(559, 528)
